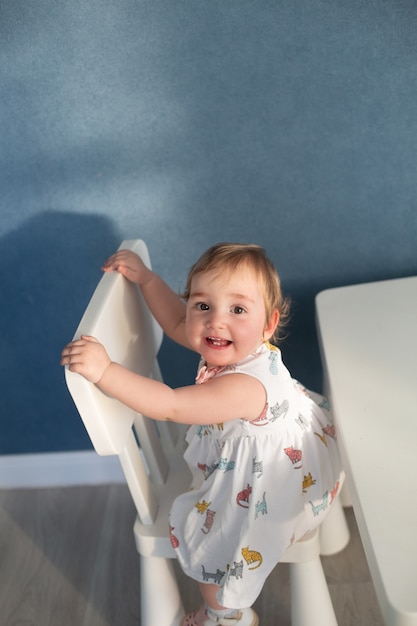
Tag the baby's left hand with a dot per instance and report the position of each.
(86, 356)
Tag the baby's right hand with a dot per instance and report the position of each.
(129, 264)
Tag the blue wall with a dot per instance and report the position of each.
(185, 122)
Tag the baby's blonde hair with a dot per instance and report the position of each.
(227, 257)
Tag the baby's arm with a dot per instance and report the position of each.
(166, 306)
(218, 400)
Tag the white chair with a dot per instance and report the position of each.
(151, 457)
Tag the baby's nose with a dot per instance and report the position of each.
(216, 320)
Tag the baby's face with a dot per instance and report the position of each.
(226, 316)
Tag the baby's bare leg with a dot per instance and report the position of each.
(208, 591)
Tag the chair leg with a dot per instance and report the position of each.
(161, 603)
(310, 598)
(334, 531)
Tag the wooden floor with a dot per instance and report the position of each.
(67, 558)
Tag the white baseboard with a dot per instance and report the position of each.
(58, 469)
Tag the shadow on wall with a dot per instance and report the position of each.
(49, 269)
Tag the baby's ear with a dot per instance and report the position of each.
(271, 325)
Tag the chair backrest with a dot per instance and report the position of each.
(117, 315)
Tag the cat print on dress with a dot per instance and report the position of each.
(318, 508)
(322, 437)
(273, 366)
(203, 430)
(279, 410)
(252, 556)
(202, 506)
(236, 570)
(308, 481)
(242, 498)
(207, 469)
(301, 422)
(334, 491)
(330, 431)
(257, 467)
(325, 404)
(174, 541)
(225, 465)
(261, 507)
(208, 524)
(295, 456)
(216, 576)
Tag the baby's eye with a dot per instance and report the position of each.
(202, 306)
(238, 310)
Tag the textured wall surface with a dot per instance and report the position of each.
(292, 124)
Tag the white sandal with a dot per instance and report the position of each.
(245, 617)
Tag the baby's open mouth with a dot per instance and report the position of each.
(217, 342)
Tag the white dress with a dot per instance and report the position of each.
(258, 486)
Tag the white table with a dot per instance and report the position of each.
(368, 340)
